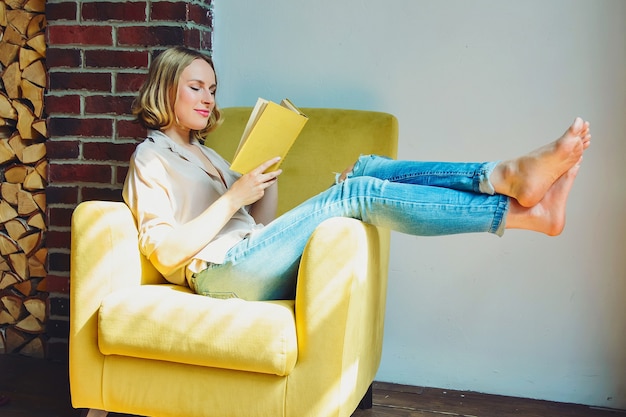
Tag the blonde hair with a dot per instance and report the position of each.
(154, 106)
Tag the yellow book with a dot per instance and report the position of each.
(270, 132)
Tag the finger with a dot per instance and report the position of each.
(273, 174)
(261, 178)
(265, 165)
(268, 184)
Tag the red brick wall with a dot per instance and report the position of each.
(97, 57)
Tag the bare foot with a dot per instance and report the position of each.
(344, 174)
(548, 216)
(528, 178)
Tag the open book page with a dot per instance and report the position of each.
(260, 105)
(287, 103)
(271, 131)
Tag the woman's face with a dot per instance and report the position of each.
(195, 98)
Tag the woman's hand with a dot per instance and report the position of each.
(251, 187)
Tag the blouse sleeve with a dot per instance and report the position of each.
(146, 194)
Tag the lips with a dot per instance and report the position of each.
(203, 113)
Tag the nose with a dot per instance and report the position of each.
(208, 97)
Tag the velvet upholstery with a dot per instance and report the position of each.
(141, 346)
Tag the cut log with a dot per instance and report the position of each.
(25, 119)
(40, 200)
(38, 45)
(15, 4)
(27, 56)
(37, 221)
(14, 339)
(16, 228)
(33, 181)
(17, 173)
(26, 288)
(13, 305)
(8, 245)
(19, 19)
(36, 269)
(19, 265)
(9, 192)
(30, 243)
(34, 349)
(12, 79)
(38, 307)
(7, 154)
(7, 279)
(3, 14)
(6, 318)
(8, 53)
(17, 144)
(42, 169)
(4, 266)
(37, 26)
(7, 212)
(34, 94)
(41, 255)
(7, 111)
(30, 324)
(35, 73)
(26, 204)
(12, 35)
(40, 125)
(34, 153)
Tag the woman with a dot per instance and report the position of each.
(208, 227)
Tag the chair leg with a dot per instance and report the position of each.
(368, 399)
(92, 412)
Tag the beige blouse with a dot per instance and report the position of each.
(167, 185)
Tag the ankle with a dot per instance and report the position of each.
(485, 179)
(502, 177)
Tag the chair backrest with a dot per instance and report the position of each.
(331, 140)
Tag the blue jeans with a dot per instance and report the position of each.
(417, 198)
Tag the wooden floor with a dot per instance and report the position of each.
(392, 400)
(39, 388)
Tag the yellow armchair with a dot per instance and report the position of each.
(141, 346)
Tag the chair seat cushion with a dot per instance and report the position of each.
(170, 323)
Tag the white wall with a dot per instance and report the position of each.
(524, 315)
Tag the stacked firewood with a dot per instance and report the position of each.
(23, 177)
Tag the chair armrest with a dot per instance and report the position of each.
(340, 304)
(104, 257)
